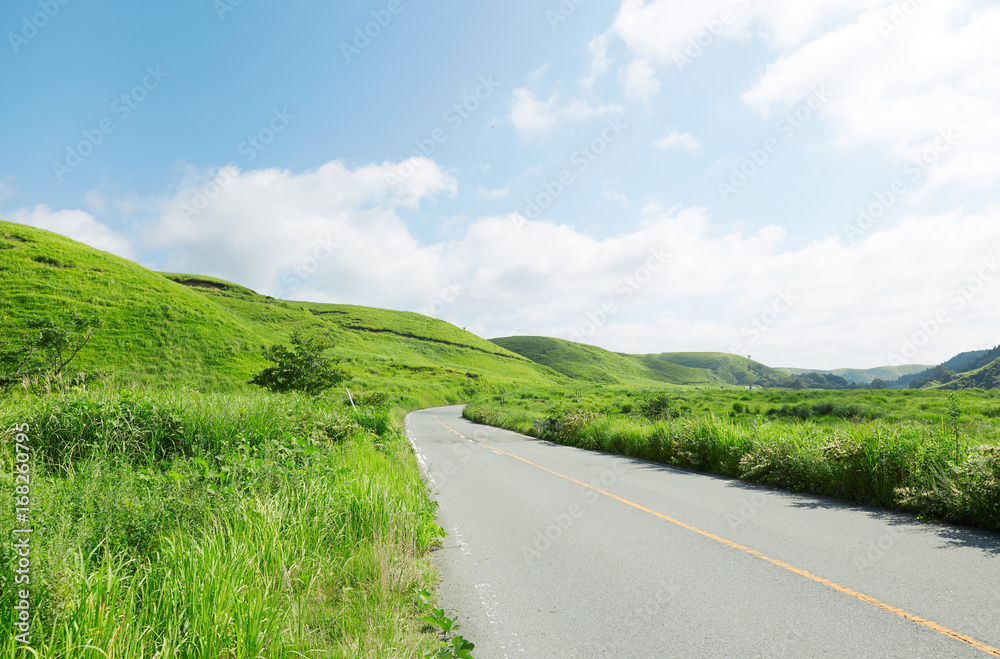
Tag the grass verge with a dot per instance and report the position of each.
(176, 524)
(891, 450)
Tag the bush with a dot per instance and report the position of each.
(658, 406)
(304, 368)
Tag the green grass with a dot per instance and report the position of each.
(178, 524)
(890, 449)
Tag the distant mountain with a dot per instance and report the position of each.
(864, 376)
(967, 369)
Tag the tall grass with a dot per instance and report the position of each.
(182, 525)
(908, 465)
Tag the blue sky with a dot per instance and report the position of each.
(643, 176)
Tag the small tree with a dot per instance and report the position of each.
(46, 348)
(303, 368)
(879, 383)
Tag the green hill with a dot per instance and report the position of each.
(176, 329)
(729, 368)
(580, 361)
(986, 377)
(592, 364)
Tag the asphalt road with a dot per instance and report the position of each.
(559, 552)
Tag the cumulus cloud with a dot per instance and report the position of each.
(899, 81)
(899, 73)
(332, 233)
(676, 281)
(666, 31)
(76, 224)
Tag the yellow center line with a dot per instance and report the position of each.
(941, 629)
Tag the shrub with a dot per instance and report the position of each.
(304, 368)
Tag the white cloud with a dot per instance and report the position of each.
(664, 29)
(76, 224)
(534, 118)
(332, 231)
(639, 81)
(676, 281)
(676, 140)
(899, 87)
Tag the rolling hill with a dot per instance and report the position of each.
(580, 361)
(178, 329)
(592, 364)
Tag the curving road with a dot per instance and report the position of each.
(558, 552)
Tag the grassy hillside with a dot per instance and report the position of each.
(729, 368)
(592, 364)
(986, 377)
(177, 329)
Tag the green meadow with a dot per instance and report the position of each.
(930, 452)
